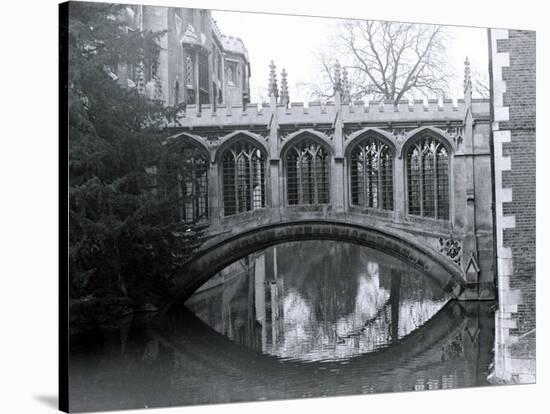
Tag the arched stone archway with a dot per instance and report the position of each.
(217, 256)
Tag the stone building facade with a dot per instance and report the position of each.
(417, 171)
(197, 65)
(513, 107)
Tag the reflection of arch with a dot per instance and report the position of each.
(185, 341)
(243, 174)
(307, 166)
(427, 159)
(211, 260)
(186, 177)
(425, 348)
(371, 159)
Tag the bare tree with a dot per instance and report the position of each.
(387, 60)
(480, 86)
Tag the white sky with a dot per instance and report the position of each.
(291, 41)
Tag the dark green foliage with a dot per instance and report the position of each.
(123, 240)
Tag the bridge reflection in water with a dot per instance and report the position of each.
(302, 319)
(317, 300)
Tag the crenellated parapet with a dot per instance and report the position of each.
(316, 112)
(281, 112)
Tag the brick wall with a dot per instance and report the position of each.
(513, 81)
(515, 117)
(519, 97)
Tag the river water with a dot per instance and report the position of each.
(301, 319)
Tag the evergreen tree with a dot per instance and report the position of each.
(123, 241)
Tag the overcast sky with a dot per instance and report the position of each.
(291, 41)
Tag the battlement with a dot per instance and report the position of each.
(317, 112)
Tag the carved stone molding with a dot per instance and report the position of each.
(452, 249)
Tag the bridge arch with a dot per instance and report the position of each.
(212, 259)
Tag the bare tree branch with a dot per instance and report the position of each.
(388, 60)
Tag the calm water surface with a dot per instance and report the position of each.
(304, 319)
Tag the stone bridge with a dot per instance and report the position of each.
(412, 179)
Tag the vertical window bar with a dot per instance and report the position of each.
(414, 181)
(443, 183)
(238, 184)
(315, 183)
(354, 179)
(300, 184)
(435, 157)
(292, 178)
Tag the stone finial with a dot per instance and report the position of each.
(273, 90)
(467, 75)
(284, 88)
(346, 94)
(467, 83)
(337, 80)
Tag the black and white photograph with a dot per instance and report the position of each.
(269, 205)
(322, 207)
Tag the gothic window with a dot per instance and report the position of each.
(203, 79)
(232, 72)
(189, 71)
(371, 174)
(203, 72)
(243, 178)
(428, 179)
(151, 70)
(307, 173)
(187, 183)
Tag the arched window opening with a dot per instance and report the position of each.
(307, 173)
(428, 179)
(243, 178)
(371, 174)
(186, 183)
